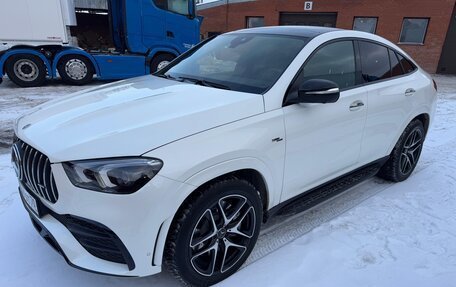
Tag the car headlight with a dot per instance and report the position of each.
(118, 176)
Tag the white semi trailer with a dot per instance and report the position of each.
(41, 39)
(36, 23)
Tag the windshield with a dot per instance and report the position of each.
(242, 62)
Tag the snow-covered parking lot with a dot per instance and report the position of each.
(376, 234)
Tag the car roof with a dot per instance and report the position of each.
(300, 31)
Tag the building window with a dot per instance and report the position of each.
(365, 24)
(252, 22)
(414, 30)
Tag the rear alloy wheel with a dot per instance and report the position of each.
(405, 154)
(411, 151)
(26, 70)
(215, 233)
(75, 70)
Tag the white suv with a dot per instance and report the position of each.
(180, 169)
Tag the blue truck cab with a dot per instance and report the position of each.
(145, 35)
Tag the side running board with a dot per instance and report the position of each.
(328, 190)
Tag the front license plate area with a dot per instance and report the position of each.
(30, 202)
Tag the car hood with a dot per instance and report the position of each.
(130, 118)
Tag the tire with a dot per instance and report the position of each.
(26, 70)
(406, 153)
(160, 61)
(75, 70)
(199, 233)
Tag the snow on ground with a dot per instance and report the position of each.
(15, 101)
(376, 234)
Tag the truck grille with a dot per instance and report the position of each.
(34, 171)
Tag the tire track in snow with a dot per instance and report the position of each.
(283, 229)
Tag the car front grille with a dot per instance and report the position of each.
(33, 169)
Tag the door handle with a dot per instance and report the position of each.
(169, 34)
(410, 92)
(356, 106)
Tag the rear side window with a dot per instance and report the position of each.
(396, 68)
(406, 64)
(375, 62)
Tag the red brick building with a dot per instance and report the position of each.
(426, 29)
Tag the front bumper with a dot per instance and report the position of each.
(136, 221)
(49, 238)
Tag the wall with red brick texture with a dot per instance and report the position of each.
(390, 14)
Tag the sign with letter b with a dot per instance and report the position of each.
(308, 6)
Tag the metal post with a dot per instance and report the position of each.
(226, 15)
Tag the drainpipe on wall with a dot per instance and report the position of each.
(226, 15)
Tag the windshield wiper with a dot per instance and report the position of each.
(195, 81)
(169, 77)
(205, 83)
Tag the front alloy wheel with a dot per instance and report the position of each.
(214, 233)
(221, 235)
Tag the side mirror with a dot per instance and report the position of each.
(318, 91)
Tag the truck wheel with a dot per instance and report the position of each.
(405, 154)
(160, 61)
(75, 70)
(26, 70)
(214, 232)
